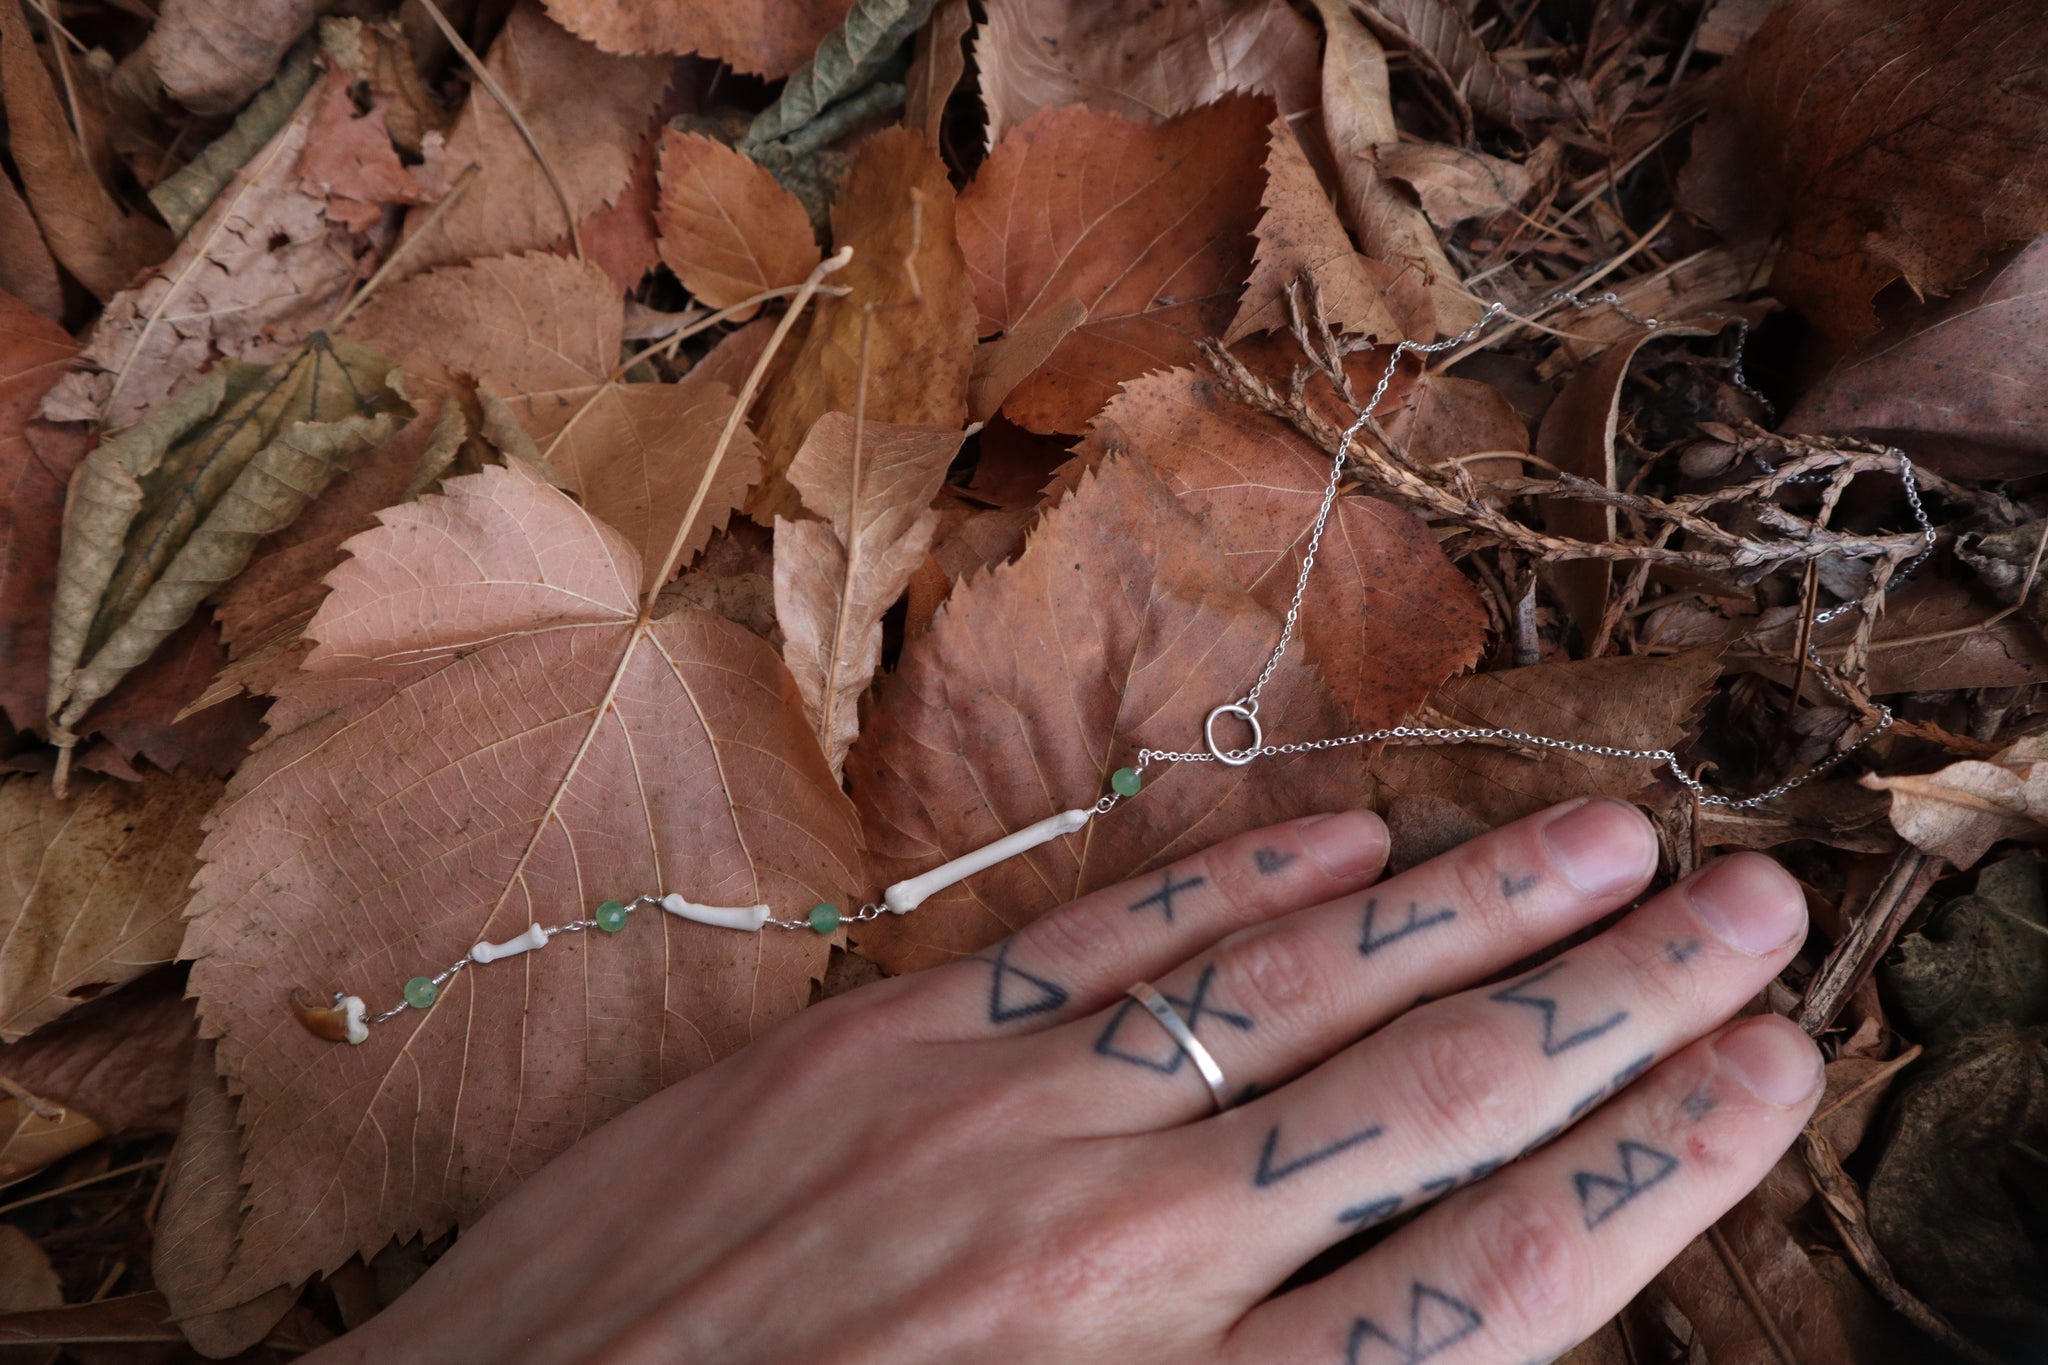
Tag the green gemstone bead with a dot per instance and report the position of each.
(1125, 781)
(824, 917)
(610, 917)
(421, 991)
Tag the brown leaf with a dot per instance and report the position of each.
(1689, 285)
(1985, 417)
(92, 888)
(144, 717)
(27, 1282)
(728, 230)
(1147, 224)
(98, 240)
(1961, 811)
(36, 460)
(936, 69)
(1116, 629)
(1980, 961)
(1748, 1286)
(1626, 702)
(351, 163)
(764, 40)
(1879, 139)
(872, 484)
(211, 55)
(543, 333)
(567, 750)
(1004, 362)
(1386, 618)
(622, 238)
(27, 270)
(1299, 234)
(588, 112)
(899, 346)
(1138, 59)
(120, 1059)
(1452, 183)
(1935, 635)
(1441, 29)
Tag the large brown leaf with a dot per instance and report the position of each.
(1118, 628)
(728, 230)
(36, 460)
(1386, 618)
(211, 55)
(872, 483)
(766, 39)
(1140, 59)
(490, 733)
(1881, 139)
(27, 270)
(1148, 224)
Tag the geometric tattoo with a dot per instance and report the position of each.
(1518, 994)
(1035, 995)
(1168, 889)
(1270, 1174)
(1192, 1011)
(1437, 1321)
(1371, 942)
(1600, 1196)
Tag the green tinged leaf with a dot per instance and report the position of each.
(850, 59)
(184, 198)
(1982, 961)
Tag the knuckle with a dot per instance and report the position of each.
(1470, 1090)
(1279, 981)
(1643, 965)
(1534, 1264)
(1476, 878)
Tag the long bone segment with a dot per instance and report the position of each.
(719, 916)
(534, 937)
(906, 896)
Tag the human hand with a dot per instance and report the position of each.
(1008, 1158)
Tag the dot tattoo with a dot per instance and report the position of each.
(1699, 1104)
(1271, 860)
(1373, 938)
(1682, 953)
(1168, 889)
(1014, 993)
(1554, 1042)
(1601, 1196)
(1437, 1321)
(1270, 1173)
(1511, 887)
(1193, 1010)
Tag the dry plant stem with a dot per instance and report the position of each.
(129, 1169)
(1730, 1262)
(404, 248)
(46, 1110)
(1851, 960)
(490, 83)
(1844, 1205)
(1802, 650)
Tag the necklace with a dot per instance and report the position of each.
(346, 1018)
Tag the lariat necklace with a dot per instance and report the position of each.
(345, 1018)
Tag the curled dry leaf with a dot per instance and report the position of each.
(1148, 224)
(1453, 184)
(1386, 618)
(728, 230)
(588, 112)
(872, 484)
(849, 62)
(210, 55)
(1981, 961)
(36, 460)
(1961, 811)
(553, 748)
(1880, 140)
(185, 194)
(1138, 59)
(765, 40)
(1116, 629)
(935, 69)
(96, 239)
(1440, 28)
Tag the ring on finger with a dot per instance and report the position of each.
(1184, 1038)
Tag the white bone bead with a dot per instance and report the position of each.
(534, 937)
(749, 917)
(906, 896)
(353, 1018)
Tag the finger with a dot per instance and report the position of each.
(1456, 1089)
(1082, 955)
(1273, 999)
(1530, 1261)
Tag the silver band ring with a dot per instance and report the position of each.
(1184, 1038)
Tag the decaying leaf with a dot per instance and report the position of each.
(1879, 139)
(160, 515)
(211, 55)
(764, 40)
(92, 889)
(1138, 59)
(1440, 28)
(872, 484)
(440, 776)
(183, 196)
(36, 460)
(1148, 224)
(1961, 811)
(935, 70)
(1748, 1285)
(1981, 961)
(27, 270)
(1453, 184)
(847, 61)
(728, 230)
(1116, 629)
(1386, 618)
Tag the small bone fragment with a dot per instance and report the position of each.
(906, 896)
(749, 917)
(339, 1022)
(353, 1013)
(534, 937)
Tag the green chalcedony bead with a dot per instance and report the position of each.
(420, 992)
(824, 917)
(1125, 781)
(610, 917)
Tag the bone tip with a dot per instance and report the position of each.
(353, 1019)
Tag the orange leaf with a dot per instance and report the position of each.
(728, 230)
(747, 35)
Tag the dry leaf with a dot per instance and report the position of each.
(872, 484)
(1689, 285)
(351, 162)
(764, 40)
(145, 716)
(95, 238)
(1004, 362)
(1935, 635)
(728, 230)
(1453, 184)
(1386, 618)
(1749, 1264)
(553, 748)
(542, 333)
(1879, 139)
(1299, 234)
(92, 889)
(27, 270)
(36, 460)
(211, 55)
(1147, 224)
(1139, 59)
(935, 70)
(1440, 28)
(1116, 629)
(588, 112)
(897, 347)
(1961, 811)
(1980, 961)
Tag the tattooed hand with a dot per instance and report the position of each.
(1012, 1159)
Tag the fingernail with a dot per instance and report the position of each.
(1772, 1059)
(1602, 846)
(1749, 903)
(1346, 843)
